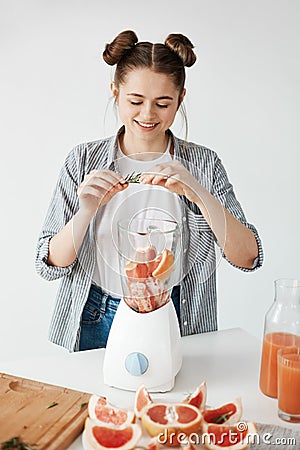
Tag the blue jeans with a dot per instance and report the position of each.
(98, 314)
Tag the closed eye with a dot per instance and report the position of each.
(136, 103)
(162, 106)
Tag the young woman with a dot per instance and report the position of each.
(180, 180)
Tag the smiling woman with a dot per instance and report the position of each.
(179, 180)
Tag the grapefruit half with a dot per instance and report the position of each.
(173, 420)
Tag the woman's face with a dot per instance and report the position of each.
(147, 102)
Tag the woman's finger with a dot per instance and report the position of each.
(158, 178)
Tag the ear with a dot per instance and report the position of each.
(182, 95)
(114, 89)
(180, 98)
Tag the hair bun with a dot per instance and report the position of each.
(114, 51)
(183, 47)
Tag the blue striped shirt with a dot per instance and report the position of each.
(198, 311)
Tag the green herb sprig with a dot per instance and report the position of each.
(15, 444)
(133, 177)
(222, 418)
(52, 404)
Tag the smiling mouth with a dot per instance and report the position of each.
(146, 125)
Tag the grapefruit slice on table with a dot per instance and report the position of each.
(234, 437)
(198, 397)
(104, 413)
(141, 401)
(103, 437)
(171, 419)
(165, 266)
(228, 414)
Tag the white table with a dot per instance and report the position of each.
(228, 360)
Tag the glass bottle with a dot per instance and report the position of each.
(281, 330)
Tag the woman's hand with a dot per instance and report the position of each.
(98, 188)
(175, 177)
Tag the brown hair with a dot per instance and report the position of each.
(169, 58)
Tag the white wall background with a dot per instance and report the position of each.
(243, 101)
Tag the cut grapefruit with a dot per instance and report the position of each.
(218, 437)
(173, 420)
(165, 266)
(153, 444)
(152, 265)
(141, 401)
(103, 437)
(187, 445)
(145, 254)
(136, 270)
(227, 414)
(143, 301)
(198, 397)
(104, 413)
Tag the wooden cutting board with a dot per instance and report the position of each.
(25, 413)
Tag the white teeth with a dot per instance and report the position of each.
(147, 125)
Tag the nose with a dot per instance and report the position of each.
(147, 112)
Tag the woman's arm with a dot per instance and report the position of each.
(97, 188)
(63, 247)
(236, 240)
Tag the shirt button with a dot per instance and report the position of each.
(183, 301)
(184, 219)
(185, 323)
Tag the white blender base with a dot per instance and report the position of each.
(156, 336)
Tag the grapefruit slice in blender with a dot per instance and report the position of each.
(227, 414)
(173, 420)
(103, 437)
(104, 413)
(165, 266)
(152, 265)
(145, 254)
(235, 437)
(198, 397)
(141, 401)
(136, 270)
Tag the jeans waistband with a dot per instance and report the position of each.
(101, 291)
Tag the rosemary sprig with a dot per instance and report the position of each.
(133, 177)
(52, 404)
(222, 418)
(15, 444)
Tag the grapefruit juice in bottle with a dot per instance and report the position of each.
(282, 330)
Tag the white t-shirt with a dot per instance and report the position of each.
(136, 201)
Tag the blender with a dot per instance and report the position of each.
(144, 343)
